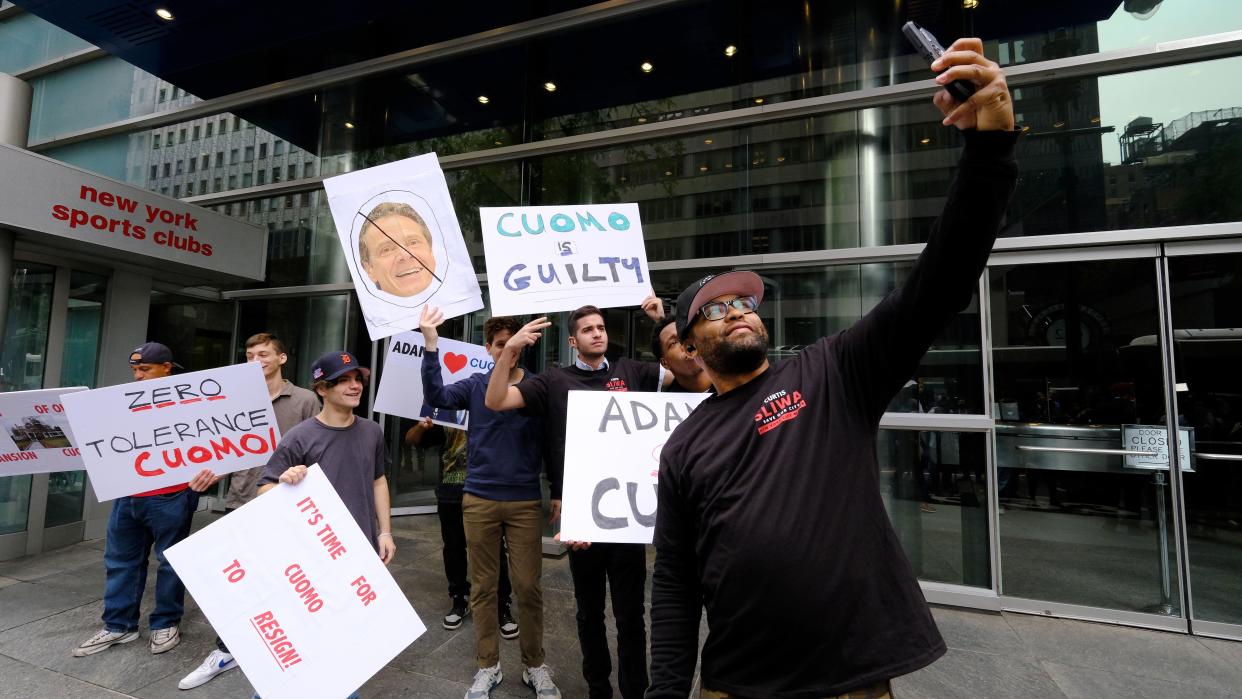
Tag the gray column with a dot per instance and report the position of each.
(14, 124)
(124, 327)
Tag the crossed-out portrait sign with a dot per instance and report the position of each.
(152, 434)
(613, 441)
(34, 433)
(544, 259)
(401, 384)
(297, 592)
(402, 243)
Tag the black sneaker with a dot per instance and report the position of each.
(458, 614)
(508, 627)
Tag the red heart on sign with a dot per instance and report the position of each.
(454, 362)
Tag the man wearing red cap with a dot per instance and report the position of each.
(770, 513)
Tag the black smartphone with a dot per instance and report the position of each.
(926, 43)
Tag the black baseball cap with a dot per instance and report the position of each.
(697, 295)
(152, 353)
(334, 365)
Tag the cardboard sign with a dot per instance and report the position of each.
(297, 592)
(152, 434)
(402, 243)
(34, 433)
(401, 383)
(612, 462)
(544, 259)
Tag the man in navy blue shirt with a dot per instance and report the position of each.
(502, 497)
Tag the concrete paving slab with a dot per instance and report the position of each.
(1086, 683)
(979, 631)
(23, 602)
(22, 681)
(1129, 651)
(963, 673)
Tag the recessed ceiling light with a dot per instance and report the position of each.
(707, 141)
(642, 120)
(925, 141)
(349, 125)
(730, 50)
(758, 100)
(970, 4)
(647, 67)
(550, 86)
(668, 173)
(1058, 125)
(702, 168)
(483, 99)
(163, 14)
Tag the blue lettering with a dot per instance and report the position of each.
(612, 265)
(521, 282)
(618, 222)
(589, 219)
(500, 227)
(539, 219)
(561, 223)
(550, 277)
(632, 264)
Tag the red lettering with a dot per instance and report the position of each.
(224, 446)
(60, 212)
(199, 455)
(179, 462)
(140, 460)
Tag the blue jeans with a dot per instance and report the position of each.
(135, 526)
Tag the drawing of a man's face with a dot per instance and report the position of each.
(396, 251)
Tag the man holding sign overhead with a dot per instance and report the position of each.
(770, 513)
(155, 519)
(596, 568)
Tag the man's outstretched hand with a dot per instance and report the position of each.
(991, 107)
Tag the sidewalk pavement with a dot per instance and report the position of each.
(49, 603)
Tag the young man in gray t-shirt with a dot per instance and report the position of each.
(350, 451)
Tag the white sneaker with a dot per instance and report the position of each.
(216, 663)
(103, 640)
(485, 680)
(540, 680)
(164, 640)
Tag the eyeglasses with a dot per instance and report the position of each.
(715, 310)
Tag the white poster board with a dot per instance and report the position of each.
(157, 433)
(402, 242)
(34, 433)
(544, 259)
(401, 383)
(297, 593)
(612, 462)
(1154, 441)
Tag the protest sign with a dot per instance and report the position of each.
(296, 591)
(34, 434)
(543, 259)
(152, 434)
(401, 384)
(403, 245)
(612, 462)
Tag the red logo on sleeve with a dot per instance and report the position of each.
(777, 409)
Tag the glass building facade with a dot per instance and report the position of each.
(797, 140)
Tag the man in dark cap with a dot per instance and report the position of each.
(770, 513)
(156, 519)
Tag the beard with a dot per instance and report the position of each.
(725, 356)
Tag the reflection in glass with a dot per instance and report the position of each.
(1077, 361)
(22, 353)
(1207, 303)
(14, 503)
(308, 327)
(934, 486)
(198, 332)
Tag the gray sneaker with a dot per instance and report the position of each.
(164, 640)
(540, 680)
(103, 640)
(485, 680)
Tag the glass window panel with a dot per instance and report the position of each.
(1076, 360)
(934, 486)
(308, 326)
(27, 40)
(198, 332)
(1207, 312)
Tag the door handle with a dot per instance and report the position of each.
(1106, 452)
(1219, 457)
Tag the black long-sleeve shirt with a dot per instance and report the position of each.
(770, 513)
